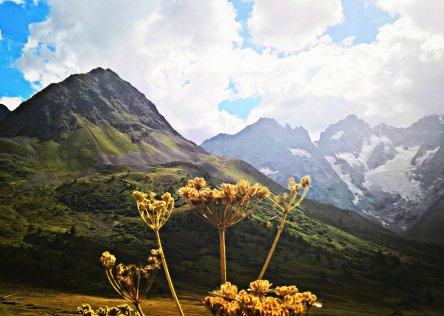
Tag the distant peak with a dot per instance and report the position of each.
(266, 120)
(351, 117)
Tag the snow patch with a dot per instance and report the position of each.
(337, 135)
(441, 119)
(267, 171)
(395, 176)
(368, 146)
(300, 153)
(426, 156)
(349, 158)
(346, 178)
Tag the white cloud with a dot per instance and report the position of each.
(19, 2)
(426, 14)
(182, 56)
(292, 25)
(11, 102)
(156, 45)
(397, 79)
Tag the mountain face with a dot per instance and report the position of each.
(3, 111)
(96, 122)
(280, 153)
(107, 114)
(392, 175)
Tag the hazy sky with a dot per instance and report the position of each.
(216, 66)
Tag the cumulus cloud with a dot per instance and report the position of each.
(175, 52)
(397, 79)
(292, 25)
(11, 102)
(183, 56)
(426, 14)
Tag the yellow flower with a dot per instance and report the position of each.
(107, 260)
(139, 196)
(305, 181)
(260, 287)
(285, 290)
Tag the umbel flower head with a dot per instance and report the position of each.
(260, 299)
(226, 206)
(120, 310)
(130, 281)
(155, 213)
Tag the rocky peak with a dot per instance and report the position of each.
(346, 135)
(100, 96)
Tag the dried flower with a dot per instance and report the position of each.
(107, 260)
(223, 207)
(288, 301)
(120, 310)
(286, 203)
(155, 213)
(130, 281)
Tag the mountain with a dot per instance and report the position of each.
(105, 113)
(280, 153)
(3, 111)
(391, 175)
(71, 156)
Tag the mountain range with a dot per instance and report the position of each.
(71, 155)
(390, 175)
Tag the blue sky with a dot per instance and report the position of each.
(14, 25)
(361, 21)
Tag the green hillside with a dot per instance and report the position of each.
(56, 220)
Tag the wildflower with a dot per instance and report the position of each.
(260, 287)
(286, 290)
(107, 260)
(223, 207)
(130, 281)
(257, 301)
(286, 203)
(155, 213)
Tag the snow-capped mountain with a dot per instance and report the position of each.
(392, 175)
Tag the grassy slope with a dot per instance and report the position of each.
(356, 267)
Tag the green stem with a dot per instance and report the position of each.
(273, 247)
(167, 273)
(223, 260)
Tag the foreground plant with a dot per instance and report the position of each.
(130, 281)
(155, 213)
(121, 310)
(224, 207)
(286, 203)
(260, 299)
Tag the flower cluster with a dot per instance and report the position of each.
(130, 281)
(121, 310)
(260, 300)
(155, 213)
(287, 202)
(226, 206)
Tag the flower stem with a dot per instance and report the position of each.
(223, 260)
(273, 247)
(139, 309)
(167, 273)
